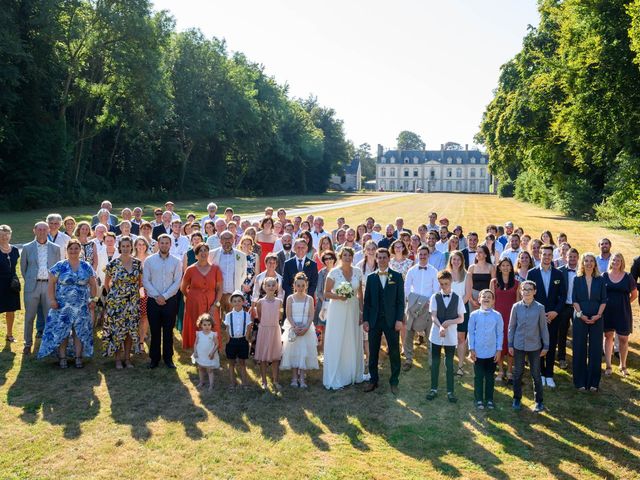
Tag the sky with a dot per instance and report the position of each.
(384, 66)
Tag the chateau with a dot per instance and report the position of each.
(451, 169)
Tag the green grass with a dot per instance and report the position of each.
(103, 423)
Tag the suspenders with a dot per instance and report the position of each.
(244, 324)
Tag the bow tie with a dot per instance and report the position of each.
(446, 295)
(571, 270)
(423, 268)
(383, 274)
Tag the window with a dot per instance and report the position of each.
(449, 174)
(483, 160)
(472, 172)
(393, 159)
(458, 160)
(393, 172)
(406, 172)
(458, 172)
(406, 184)
(432, 173)
(449, 187)
(449, 160)
(415, 160)
(383, 172)
(392, 185)
(473, 159)
(415, 172)
(406, 160)
(482, 186)
(472, 185)
(383, 160)
(482, 173)
(381, 185)
(458, 186)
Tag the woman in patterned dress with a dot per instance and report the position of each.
(71, 292)
(88, 252)
(122, 312)
(142, 250)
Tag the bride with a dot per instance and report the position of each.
(343, 349)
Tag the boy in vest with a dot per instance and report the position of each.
(447, 311)
(238, 324)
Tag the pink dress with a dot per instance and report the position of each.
(269, 342)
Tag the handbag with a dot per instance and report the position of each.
(14, 284)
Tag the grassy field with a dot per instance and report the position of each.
(103, 423)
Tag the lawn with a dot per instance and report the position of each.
(103, 423)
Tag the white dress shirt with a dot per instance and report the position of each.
(451, 337)
(421, 281)
(161, 276)
(205, 218)
(179, 246)
(383, 278)
(43, 256)
(241, 321)
(61, 239)
(227, 266)
(442, 247)
(570, 277)
(213, 242)
(376, 236)
(316, 236)
(512, 254)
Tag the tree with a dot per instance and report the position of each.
(409, 141)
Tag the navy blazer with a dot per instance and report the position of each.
(589, 306)
(557, 297)
(310, 269)
(393, 295)
(465, 255)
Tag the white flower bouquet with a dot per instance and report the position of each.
(345, 289)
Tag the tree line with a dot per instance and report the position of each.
(563, 128)
(105, 96)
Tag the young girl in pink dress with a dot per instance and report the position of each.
(269, 342)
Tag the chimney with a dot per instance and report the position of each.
(380, 150)
(466, 147)
(442, 147)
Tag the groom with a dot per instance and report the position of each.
(382, 314)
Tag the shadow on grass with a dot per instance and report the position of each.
(59, 397)
(7, 357)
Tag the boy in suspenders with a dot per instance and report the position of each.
(239, 325)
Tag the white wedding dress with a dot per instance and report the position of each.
(343, 341)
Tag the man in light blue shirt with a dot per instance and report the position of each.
(436, 258)
(605, 255)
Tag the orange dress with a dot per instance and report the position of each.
(201, 294)
(267, 247)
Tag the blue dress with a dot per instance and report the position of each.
(72, 295)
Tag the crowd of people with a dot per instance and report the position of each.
(287, 292)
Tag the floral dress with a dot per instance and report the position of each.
(401, 267)
(88, 251)
(252, 260)
(122, 311)
(72, 314)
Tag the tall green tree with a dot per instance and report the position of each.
(408, 140)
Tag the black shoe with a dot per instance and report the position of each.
(516, 405)
(170, 364)
(452, 398)
(152, 365)
(538, 408)
(39, 334)
(432, 394)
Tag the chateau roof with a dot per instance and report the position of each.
(439, 156)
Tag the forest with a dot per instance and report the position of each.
(105, 97)
(563, 128)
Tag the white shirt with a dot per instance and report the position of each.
(512, 254)
(131, 236)
(179, 246)
(174, 216)
(61, 240)
(442, 246)
(451, 337)
(241, 321)
(255, 295)
(227, 265)
(383, 278)
(472, 257)
(570, 277)
(421, 281)
(213, 242)
(277, 246)
(316, 236)
(376, 236)
(205, 218)
(43, 256)
(161, 275)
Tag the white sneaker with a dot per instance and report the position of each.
(551, 383)
(544, 381)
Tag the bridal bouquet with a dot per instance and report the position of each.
(345, 289)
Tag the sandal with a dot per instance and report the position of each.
(10, 339)
(63, 363)
(608, 371)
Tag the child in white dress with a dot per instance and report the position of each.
(205, 350)
(299, 340)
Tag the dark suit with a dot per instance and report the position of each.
(564, 318)
(281, 260)
(310, 269)
(386, 242)
(396, 233)
(135, 229)
(465, 254)
(159, 230)
(553, 301)
(383, 307)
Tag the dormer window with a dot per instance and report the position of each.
(458, 160)
(383, 160)
(393, 159)
(473, 159)
(406, 160)
(483, 160)
(449, 160)
(415, 159)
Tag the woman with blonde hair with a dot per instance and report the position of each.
(618, 317)
(589, 301)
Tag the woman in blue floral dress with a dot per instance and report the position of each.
(72, 289)
(123, 280)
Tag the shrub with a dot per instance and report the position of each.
(506, 188)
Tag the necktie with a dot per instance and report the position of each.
(299, 265)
